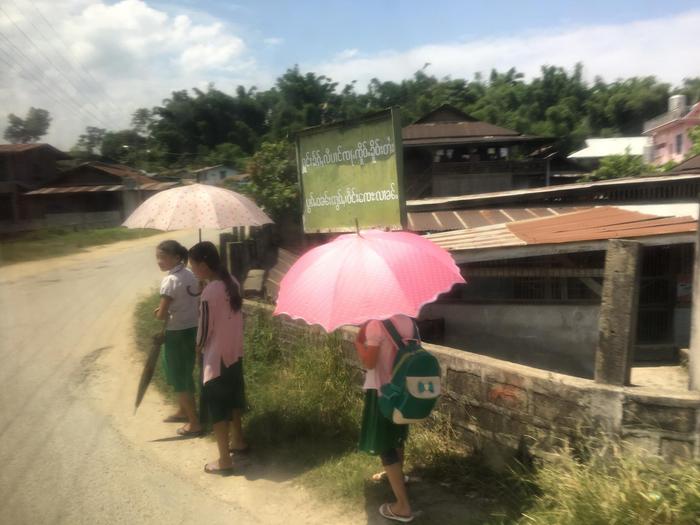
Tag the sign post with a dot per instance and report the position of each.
(352, 173)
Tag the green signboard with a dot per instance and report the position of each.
(352, 172)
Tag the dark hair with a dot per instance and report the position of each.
(175, 249)
(206, 252)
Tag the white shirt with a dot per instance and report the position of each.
(376, 335)
(183, 289)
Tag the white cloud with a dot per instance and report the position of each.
(137, 54)
(665, 47)
(273, 41)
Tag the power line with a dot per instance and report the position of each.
(73, 64)
(48, 89)
(77, 89)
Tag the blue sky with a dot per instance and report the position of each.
(314, 31)
(93, 62)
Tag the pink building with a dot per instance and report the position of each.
(669, 132)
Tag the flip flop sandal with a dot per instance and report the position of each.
(218, 471)
(240, 451)
(386, 512)
(175, 419)
(188, 433)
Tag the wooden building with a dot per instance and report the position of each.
(93, 193)
(24, 167)
(448, 152)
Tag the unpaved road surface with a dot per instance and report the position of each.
(71, 449)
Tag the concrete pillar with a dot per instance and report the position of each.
(617, 325)
(694, 350)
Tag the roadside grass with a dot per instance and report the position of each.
(606, 482)
(304, 419)
(54, 242)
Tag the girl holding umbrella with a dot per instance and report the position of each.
(361, 279)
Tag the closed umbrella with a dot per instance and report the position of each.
(368, 275)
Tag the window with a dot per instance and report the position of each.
(679, 143)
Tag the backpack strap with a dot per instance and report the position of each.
(394, 333)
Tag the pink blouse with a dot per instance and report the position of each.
(220, 330)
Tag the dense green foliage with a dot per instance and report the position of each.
(29, 129)
(617, 166)
(202, 127)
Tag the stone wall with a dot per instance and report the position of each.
(500, 406)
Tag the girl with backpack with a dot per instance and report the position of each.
(220, 339)
(179, 291)
(379, 435)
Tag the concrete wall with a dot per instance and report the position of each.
(559, 337)
(681, 326)
(498, 406)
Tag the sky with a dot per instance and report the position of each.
(93, 62)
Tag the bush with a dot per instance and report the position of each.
(614, 484)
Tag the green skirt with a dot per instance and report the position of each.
(179, 357)
(378, 434)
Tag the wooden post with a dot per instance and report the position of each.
(694, 350)
(617, 325)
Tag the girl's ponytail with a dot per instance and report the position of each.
(234, 293)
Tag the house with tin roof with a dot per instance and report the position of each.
(448, 152)
(24, 167)
(670, 141)
(94, 193)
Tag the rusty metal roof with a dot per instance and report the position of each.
(435, 221)
(118, 170)
(150, 186)
(594, 224)
(20, 148)
(449, 125)
(690, 165)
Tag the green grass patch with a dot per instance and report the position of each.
(42, 244)
(614, 483)
(304, 419)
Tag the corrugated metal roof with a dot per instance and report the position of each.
(151, 186)
(474, 218)
(434, 130)
(449, 125)
(690, 165)
(598, 148)
(600, 223)
(19, 148)
(562, 189)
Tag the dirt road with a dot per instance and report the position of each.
(71, 450)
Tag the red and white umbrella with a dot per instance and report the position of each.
(197, 206)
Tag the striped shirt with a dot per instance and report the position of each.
(220, 330)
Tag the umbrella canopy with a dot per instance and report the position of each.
(371, 275)
(197, 206)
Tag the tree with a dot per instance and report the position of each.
(91, 141)
(618, 166)
(694, 136)
(229, 154)
(273, 180)
(122, 146)
(30, 129)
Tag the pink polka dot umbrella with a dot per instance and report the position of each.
(197, 206)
